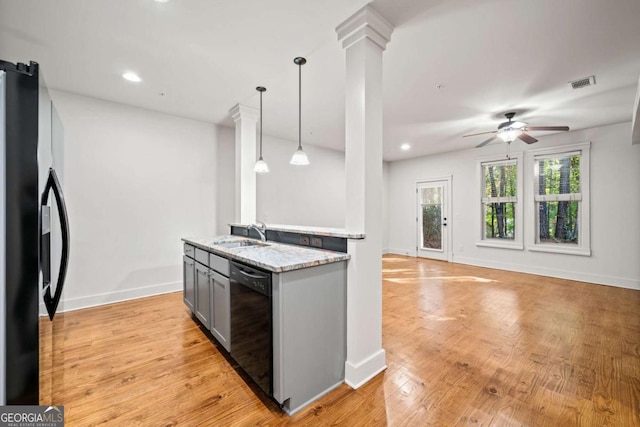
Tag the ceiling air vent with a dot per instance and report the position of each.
(580, 83)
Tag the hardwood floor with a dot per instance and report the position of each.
(465, 346)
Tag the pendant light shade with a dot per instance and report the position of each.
(299, 157)
(261, 166)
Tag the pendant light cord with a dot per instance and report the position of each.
(260, 125)
(300, 106)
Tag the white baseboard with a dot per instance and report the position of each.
(399, 252)
(114, 296)
(619, 282)
(356, 375)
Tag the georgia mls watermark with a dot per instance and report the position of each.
(31, 416)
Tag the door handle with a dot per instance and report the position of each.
(53, 184)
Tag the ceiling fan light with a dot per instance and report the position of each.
(509, 135)
(299, 158)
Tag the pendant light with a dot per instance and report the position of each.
(299, 157)
(261, 165)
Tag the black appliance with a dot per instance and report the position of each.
(35, 231)
(251, 334)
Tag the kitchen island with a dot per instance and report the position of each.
(304, 316)
(272, 256)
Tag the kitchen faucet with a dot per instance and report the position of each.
(261, 229)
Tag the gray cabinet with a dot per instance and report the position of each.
(220, 315)
(309, 333)
(203, 295)
(206, 291)
(189, 282)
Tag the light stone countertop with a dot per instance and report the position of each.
(314, 231)
(272, 256)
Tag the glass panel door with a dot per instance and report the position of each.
(432, 219)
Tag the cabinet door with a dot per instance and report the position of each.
(220, 317)
(203, 295)
(188, 282)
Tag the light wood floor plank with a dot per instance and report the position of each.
(465, 346)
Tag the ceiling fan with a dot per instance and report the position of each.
(510, 130)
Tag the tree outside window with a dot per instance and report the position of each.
(499, 199)
(558, 198)
(560, 202)
(501, 188)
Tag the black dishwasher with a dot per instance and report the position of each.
(251, 336)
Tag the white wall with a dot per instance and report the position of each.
(615, 203)
(136, 181)
(301, 195)
(295, 195)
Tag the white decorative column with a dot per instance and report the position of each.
(246, 119)
(364, 37)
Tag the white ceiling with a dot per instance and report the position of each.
(489, 57)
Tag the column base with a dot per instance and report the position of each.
(356, 375)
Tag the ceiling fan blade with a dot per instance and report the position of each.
(527, 138)
(486, 141)
(481, 133)
(560, 128)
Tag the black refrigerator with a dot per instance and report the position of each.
(34, 229)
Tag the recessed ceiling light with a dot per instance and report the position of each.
(161, 1)
(405, 146)
(132, 77)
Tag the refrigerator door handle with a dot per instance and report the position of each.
(53, 184)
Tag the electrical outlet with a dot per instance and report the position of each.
(304, 240)
(316, 241)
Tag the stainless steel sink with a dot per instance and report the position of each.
(240, 243)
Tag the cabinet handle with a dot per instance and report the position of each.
(253, 276)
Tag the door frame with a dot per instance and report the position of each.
(446, 235)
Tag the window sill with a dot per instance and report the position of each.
(500, 244)
(560, 250)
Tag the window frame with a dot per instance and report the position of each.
(583, 247)
(517, 242)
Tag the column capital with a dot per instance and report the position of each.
(240, 112)
(365, 23)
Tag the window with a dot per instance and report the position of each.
(561, 210)
(500, 200)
